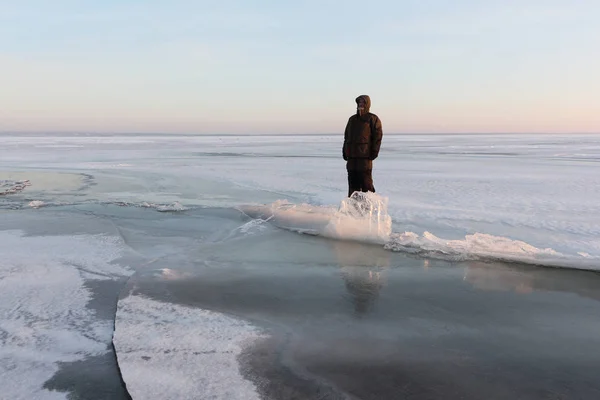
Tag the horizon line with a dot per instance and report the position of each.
(142, 133)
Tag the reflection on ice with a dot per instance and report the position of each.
(527, 280)
(352, 254)
(362, 267)
(169, 274)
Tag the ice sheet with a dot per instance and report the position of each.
(43, 315)
(483, 247)
(517, 198)
(168, 351)
(363, 217)
(536, 189)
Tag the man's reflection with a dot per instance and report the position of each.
(363, 270)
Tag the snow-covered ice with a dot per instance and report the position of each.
(168, 351)
(189, 205)
(44, 317)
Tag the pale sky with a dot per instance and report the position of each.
(195, 66)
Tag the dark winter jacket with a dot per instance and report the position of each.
(362, 139)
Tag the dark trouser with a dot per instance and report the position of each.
(360, 181)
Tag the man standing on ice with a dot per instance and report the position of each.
(362, 139)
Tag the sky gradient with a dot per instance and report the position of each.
(295, 67)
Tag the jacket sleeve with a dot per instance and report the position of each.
(376, 136)
(346, 138)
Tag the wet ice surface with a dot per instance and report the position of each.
(369, 324)
(429, 308)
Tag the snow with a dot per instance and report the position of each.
(168, 351)
(44, 317)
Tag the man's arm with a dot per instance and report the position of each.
(346, 132)
(376, 136)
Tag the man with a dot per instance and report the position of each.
(362, 139)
